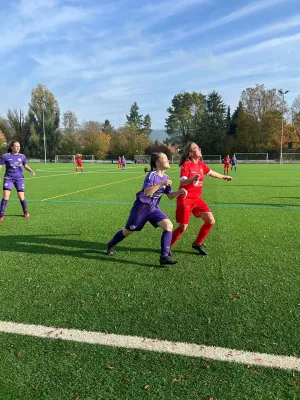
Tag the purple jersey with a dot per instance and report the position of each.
(153, 179)
(13, 164)
(123, 161)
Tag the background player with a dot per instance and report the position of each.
(13, 176)
(191, 178)
(226, 164)
(79, 162)
(146, 208)
(119, 162)
(233, 162)
(123, 163)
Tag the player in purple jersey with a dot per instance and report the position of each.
(123, 163)
(14, 161)
(146, 208)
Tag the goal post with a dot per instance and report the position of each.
(290, 158)
(88, 158)
(141, 158)
(252, 158)
(212, 159)
(64, 158)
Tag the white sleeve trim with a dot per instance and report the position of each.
(183, 178)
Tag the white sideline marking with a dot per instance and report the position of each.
(160, 346)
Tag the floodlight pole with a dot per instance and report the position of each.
(280, 91)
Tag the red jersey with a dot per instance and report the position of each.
(190, 169)
(226, 160)
(79, 160)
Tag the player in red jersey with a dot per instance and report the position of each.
(191, 178)
(119, 162)
(79, 162)
(226, 165)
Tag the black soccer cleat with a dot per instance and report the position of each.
(199, 248)
(110, 250)
(167, 261)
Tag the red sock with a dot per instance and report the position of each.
(203, 232)
(176, 235)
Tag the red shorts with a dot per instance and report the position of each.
(79, 165)
(185, 207)
(226, 165)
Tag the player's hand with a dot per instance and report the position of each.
(227, 178)
(167, 182)
(33, 173)
(196, 177)
(183, 192)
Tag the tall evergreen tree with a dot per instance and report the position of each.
(147, 125)
(134, 118)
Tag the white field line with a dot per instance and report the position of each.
(160, 346)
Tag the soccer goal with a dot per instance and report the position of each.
(252, 158)
(90, 158)
(212, 159)
(291, 158)
(61, 158)
(141, 158)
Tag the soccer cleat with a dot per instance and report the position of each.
(1, 219)
(170, 253)
(26, 215)
(167, 261)
(199, 248)
(110, 250)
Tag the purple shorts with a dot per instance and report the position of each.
(142, 213)
(19, 184)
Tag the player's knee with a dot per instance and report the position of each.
(211, 220)
(183, 227)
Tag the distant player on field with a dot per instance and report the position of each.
(192, 174)
(233, 162)
(78, 159)
(123, 163)
(119, 162)
(146, 208)
(226, 164)
(14, 161)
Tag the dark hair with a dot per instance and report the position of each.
(9, 150)
(153, 160)
(186, 153)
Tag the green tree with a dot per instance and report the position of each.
(69, 142)
(17, 126)
(147, 125)
(44, 108)
(134, 118)
(214, 125)
(185, 118)
(107, 127)
(128, 141)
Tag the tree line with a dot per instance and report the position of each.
(255, 126)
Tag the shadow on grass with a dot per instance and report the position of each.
(62, 246)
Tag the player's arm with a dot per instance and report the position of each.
(148, 191)
(215, 174)
(184, 181)
(179, 192)
(26, 166)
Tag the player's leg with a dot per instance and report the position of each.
(20, 187)
(7, 187)
(137, 218)
(165, 242)
(183, 213)
(202, 211)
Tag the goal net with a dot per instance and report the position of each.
(291, 158)
(90, 158)
(252, 158)
(61, 158)
(141, 158)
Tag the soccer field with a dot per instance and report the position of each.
(244, 295)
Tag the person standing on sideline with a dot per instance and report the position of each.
(192, 173)
(123, 163)
(13, 161)
(226, 164)
(79, 162)
(146, 208)
(233, 162)
(119, 162)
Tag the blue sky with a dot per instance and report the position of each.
(99, 57)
